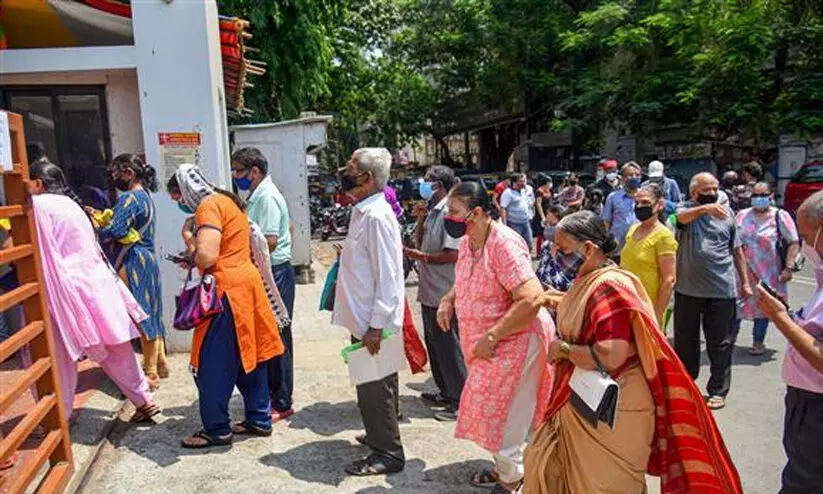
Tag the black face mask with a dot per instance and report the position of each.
(706, 198)
(572, 182)
(643, 212)
(121, 184)
(349, 182)
(455, 227)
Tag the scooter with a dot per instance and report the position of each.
(335, 221)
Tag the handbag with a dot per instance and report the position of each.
(595, 395)
(196, 303)
(330, 287)
(782, 246)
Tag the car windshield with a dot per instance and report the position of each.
(812, 173)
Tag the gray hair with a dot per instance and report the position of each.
(696, 180)
(586, 226)
(377, 161)
(630, 164)
(442, 174)
(763, 185)
(812, 207)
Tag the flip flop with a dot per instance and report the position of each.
(144, 413)
(374, 464)
(716, 402)
(246, 429)
(484, 479)
(208, 441)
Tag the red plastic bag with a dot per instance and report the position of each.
(415, 351)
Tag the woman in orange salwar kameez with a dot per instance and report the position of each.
(507, 364)
(662, 424)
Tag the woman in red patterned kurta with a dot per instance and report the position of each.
(507, 383)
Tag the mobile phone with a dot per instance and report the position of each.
(771, 291)
(177, 259)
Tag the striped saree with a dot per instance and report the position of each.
(665, 422)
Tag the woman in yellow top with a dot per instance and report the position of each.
(233, 347)
(650, 251)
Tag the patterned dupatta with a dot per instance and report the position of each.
(688, 452)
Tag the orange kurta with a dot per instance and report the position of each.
(258, 336)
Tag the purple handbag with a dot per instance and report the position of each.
(197, 303)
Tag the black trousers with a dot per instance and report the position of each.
(379, 404)
(803, 441)
(717, 318)
(445, 356)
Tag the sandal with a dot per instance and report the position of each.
(145, 413)
(246, 429)
(201, 440)
(374, 464)
(162, 371)
(502, 489)
(757, 349)
(716, 402)
(154, 382)
(484, 479)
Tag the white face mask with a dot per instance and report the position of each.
(810, 251)
(611, 176)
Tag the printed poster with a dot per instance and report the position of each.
(177, 148)
(5, 143)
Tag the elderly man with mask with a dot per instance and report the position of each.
(803, 363)
(436, 254)
(618, 211)
(708, 258)
(370, 298)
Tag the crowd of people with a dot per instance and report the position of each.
(506, 342)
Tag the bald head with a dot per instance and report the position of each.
(812, 208)
(703, 183)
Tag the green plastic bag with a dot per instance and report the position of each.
(329, 287)
(357, 346)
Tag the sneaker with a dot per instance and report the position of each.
(447, 415)
(434, 399)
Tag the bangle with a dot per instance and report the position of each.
(565, 350)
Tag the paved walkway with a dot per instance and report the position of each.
(306, 454)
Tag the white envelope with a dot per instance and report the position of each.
(365, 367)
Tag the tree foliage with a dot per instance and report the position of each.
(386, 69)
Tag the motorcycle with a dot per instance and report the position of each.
(335, 221)
(407, 230)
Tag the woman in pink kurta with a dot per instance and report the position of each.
(508, 375)
(91, 309)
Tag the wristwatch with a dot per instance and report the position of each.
(565, 350)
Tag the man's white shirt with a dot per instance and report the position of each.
(371, 288)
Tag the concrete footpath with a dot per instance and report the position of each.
(307, 453)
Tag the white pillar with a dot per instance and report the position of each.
(180, 78)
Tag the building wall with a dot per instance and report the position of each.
(122, 100)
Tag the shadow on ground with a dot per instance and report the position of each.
(328, 419)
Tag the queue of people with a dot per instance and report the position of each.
(505, 341)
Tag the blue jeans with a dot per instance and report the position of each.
(523, 229)
(220, 370)
(281, 369)
(758, 331)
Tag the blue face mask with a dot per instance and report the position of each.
(761, 202)
(426, 190)
(242, 183)
(633, 183)
(184, 208)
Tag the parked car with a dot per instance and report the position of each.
(807, 181)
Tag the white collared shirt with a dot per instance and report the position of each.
(371, 288)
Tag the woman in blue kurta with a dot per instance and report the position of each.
(131, 229)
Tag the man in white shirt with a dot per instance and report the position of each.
(514, 204)
(370, 298)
